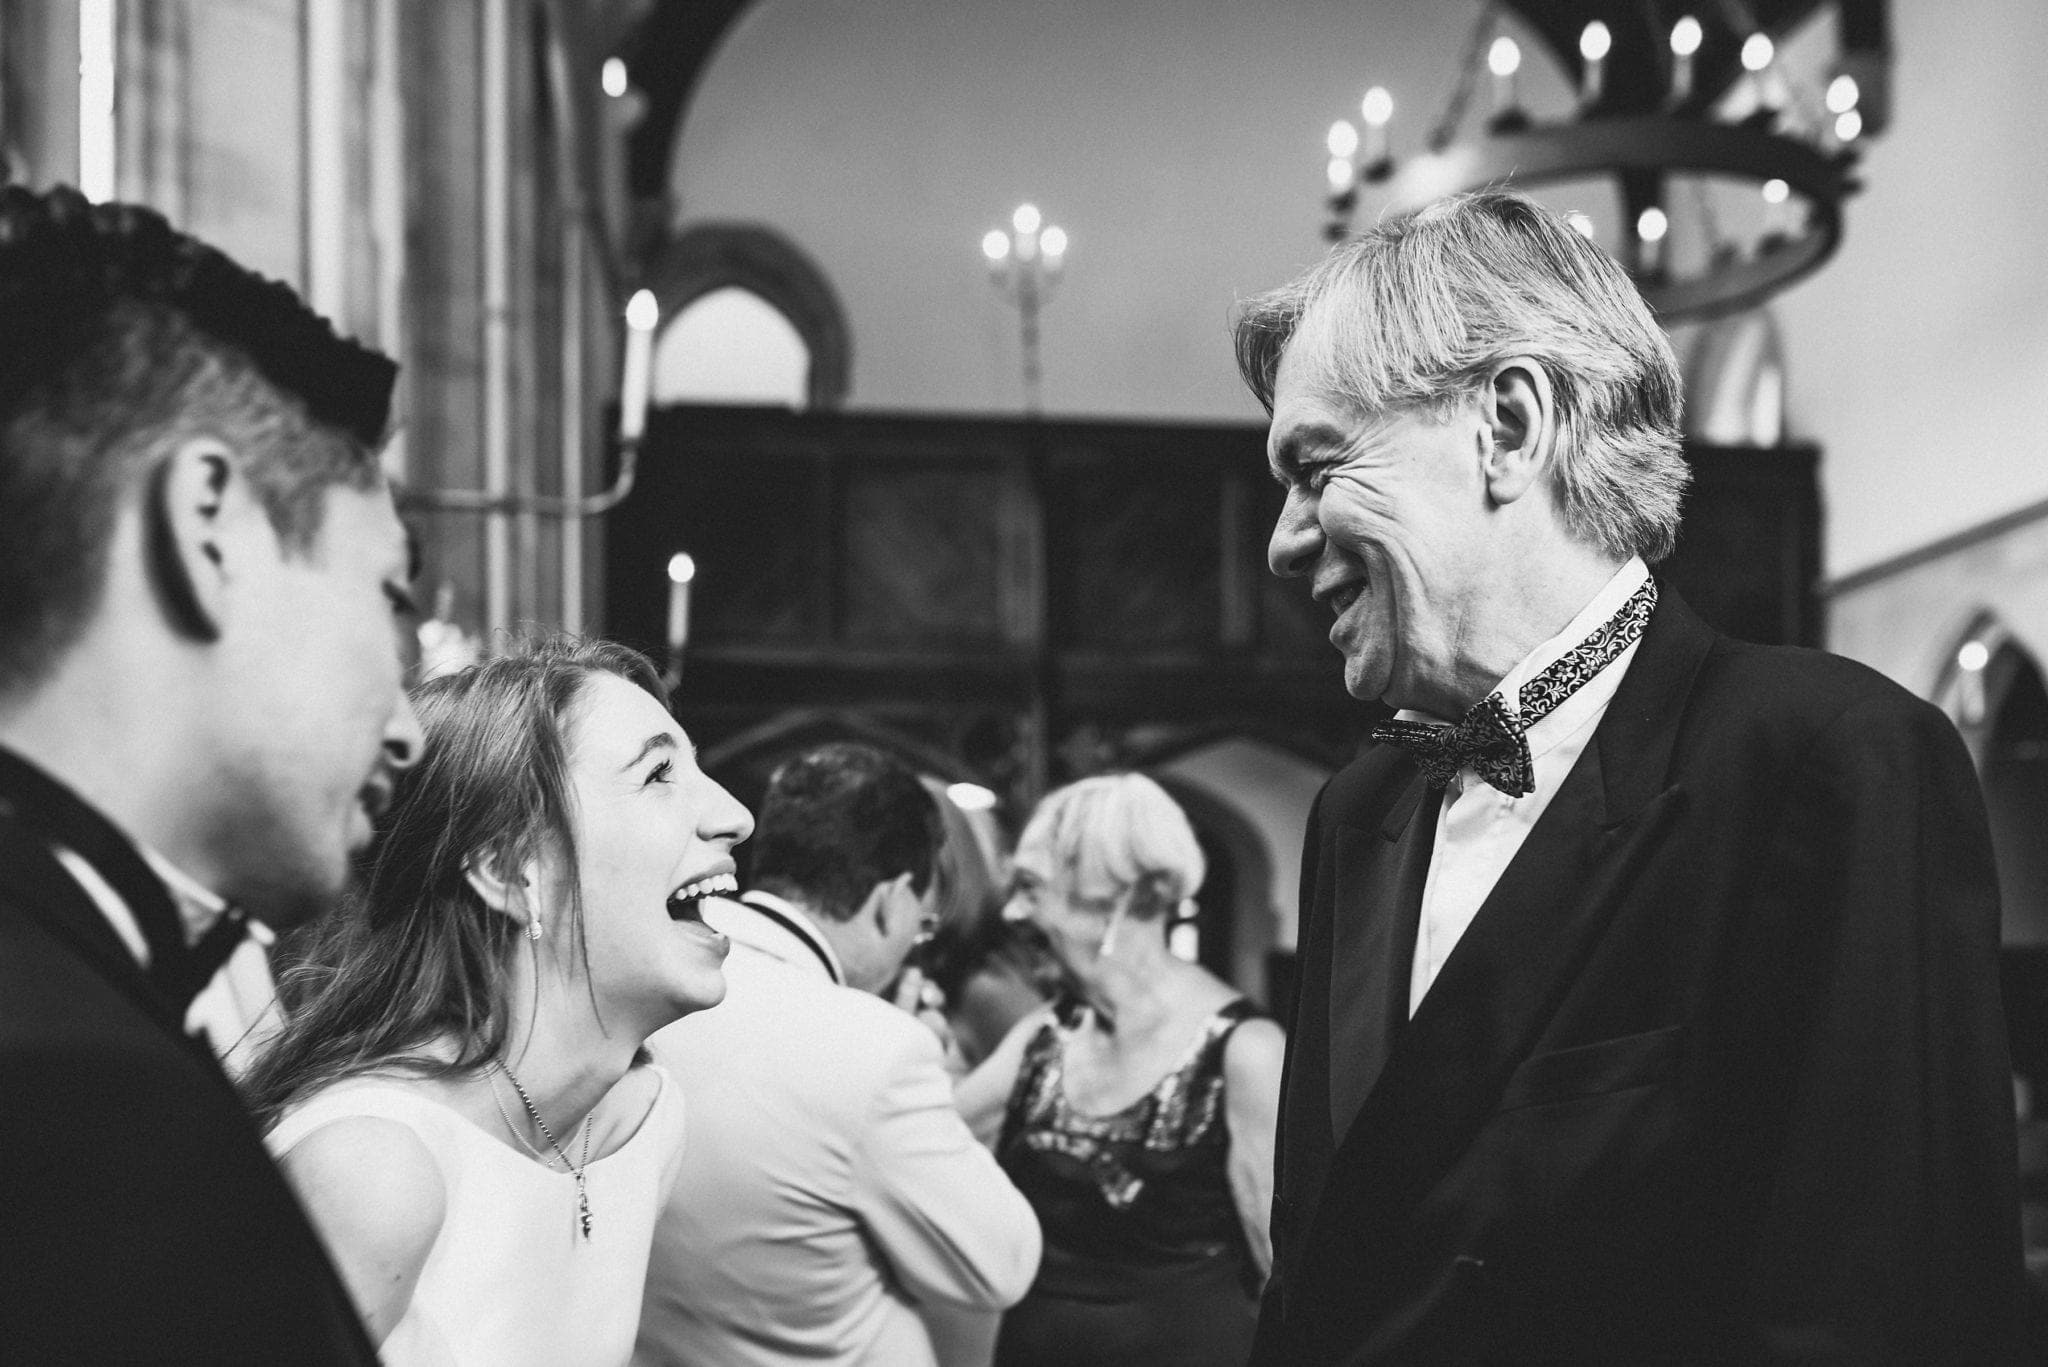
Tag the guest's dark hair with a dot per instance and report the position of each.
(415, 955)
(839, 819)
(120, 337)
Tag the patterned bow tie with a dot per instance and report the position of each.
(1493, 743)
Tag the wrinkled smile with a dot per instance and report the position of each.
(1338, 597)
(686, 902)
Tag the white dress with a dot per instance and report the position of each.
(510, 1280)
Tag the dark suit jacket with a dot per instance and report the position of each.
(1717, 1074)
(141, 1218)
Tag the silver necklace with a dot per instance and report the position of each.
(582, 1192)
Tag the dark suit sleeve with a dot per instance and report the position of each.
(1887, 1222)
(1267, 1346)
(141, 1219)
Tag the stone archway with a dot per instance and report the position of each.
(764, 263)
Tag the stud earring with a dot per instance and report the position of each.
(533, 928)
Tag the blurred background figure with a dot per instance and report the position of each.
(992, 972)
(833, 1207)
(1138, 1114)
(460, 1095)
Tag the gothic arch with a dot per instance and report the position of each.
(756, 258)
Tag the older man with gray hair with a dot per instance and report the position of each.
(1649, 1000)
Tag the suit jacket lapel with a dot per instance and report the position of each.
(52, 897)
(1445, 1069)
(1379, 876)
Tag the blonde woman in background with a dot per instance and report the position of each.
(1138, 1118)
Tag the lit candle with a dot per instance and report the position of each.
(1377, 109)
(1651, 226)
(642, 313)
(1776, 194)
(1053, 243)
(1595, 42)
(1685, 41)
(1025, 222)
(681, 570)
(1504, 59)
(1757, 52)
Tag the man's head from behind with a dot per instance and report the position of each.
(851, 835)
(1459, 395)
(189, 491)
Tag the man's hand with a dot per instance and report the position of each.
(921, 997)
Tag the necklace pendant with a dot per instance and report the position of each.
(583, 1207)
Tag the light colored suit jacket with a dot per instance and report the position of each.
(830, 1194)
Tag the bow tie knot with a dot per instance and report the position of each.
(1487, 739)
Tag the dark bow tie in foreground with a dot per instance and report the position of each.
(1493, 742)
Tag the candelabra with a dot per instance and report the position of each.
(1700, 106)
(1025, 268)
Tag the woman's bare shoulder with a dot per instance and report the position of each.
(371, 1185)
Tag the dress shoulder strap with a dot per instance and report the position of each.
(1208, 1055)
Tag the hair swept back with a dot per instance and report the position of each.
(1415, 312)
(119, 337)
(1112, 833)
(414, 955)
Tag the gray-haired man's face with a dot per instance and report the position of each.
(1385, 517)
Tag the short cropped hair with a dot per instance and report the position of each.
(1414, 313)
(839, 819)
(1116, 833)
(120, 337)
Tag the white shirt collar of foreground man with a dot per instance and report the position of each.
(779, 928)
(237, 1011)
(1479, 828)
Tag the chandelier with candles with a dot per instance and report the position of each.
(1711, 168)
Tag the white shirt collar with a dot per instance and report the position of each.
(782, 929)
(1597, 610)
(1602, 606)
(199, 906)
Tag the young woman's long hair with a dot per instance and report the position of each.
(415, 955)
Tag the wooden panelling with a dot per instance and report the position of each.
(923, 568)
(909, 567)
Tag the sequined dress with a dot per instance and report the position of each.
(1146, 1263)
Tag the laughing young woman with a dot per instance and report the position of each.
(460, 1097)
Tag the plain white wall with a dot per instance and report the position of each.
(1919, 356)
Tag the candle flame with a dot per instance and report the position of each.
(642, 312)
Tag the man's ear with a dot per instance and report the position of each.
(191, 499)
(876, 906)
(888, 901)
(1519, 421)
